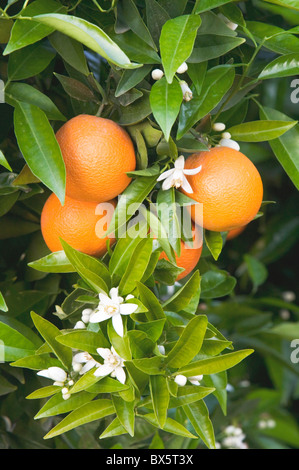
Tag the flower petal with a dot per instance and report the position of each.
(104, 369)
(118, 324)
(104, 352)
(192, 171)
(56, 373)
(186, 186)
(44, 373)
(127, 309)
(179, 163)
(168, 183)
(165, 174)
(98, 316)
(120, 374)
(104, 299)
(89, 365)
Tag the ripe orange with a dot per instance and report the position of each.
(229, 187)
(80, 224)
(97, 153)
(189, 256)
(235, 232)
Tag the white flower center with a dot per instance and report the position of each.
(113, 361)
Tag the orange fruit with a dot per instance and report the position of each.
(97, 153)
(189, 256)
(229, 187)
(235, 232)
(81, 224)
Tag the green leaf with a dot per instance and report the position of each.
(288, 331)
(56, 262)
(125, 413)
(259, 131)
(37, 362)
(149, 365)
(85, 340)
(256, 270)
(3, 305)
(171, 426)
(167, 211)
(210, 46)
(198, 415)
(4, 162)
(40, 148)
(283, 66)
(107, 385)
(122, 253)
(150, 301)
(131, 78)
(218, 80)
(44, 392)
(88, 34)
(160, 398)
(189, 343)
(293, 4)
(285, 147)
(129, 14)
(136, 266)
(153, 329)
(140, 344)
(76, 89)
(204, 5)
(25, 32)
(134, 194)
(57, 405)
(115, 428)
(29, 61)
(49, 332)
(70, 50)
(214, 243)
(156, 17)
(28, 94)
(14, 345)
(219, 381)
(165, 100)
(92, 270)
(189, 394)
(182, 298)
(215, 364)
(86, 413)
(216, 284)
(277, 39)
(176, 42)
(136, 112)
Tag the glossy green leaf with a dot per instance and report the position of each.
(70, 50)
(57, 405)
(165, 100)
(160, 398)
(49, 332)
(182, 298)
(130, 15)
(92, 270)
(56, 262)
(259, 131)
(283, 66)
(217, 82)
(150, 301)
(285, 147)
(3, 305)
(189, 343)
(125, 413)
(115, 428)
(37, 362)
(29, 61)
(204, 5)
(292, 4)
(198, 415)
(25, 32)
(44, 392)
(29, 94)
(278, 40)
(214, 243)
(4, 162)
(256, 270)
(136, 266)
(107, 385)
(171, 426)
(76, 89)
(150, 365)
(39, 147)
(85, 340)
(84, 414)
(208, 46)
(156, 17)
(14, 345)
(215, 364)
(88, 34)
(176, 42)
(216, 284)
(131, 78)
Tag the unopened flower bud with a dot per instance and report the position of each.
(226, 135)
(79, 325)
(187, 93)
(182, 68)
(218, 126)
(157, 74)
(181, 380)
(229, 143)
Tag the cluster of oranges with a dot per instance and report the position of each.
(98, 153)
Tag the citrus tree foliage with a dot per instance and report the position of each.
(64, 58)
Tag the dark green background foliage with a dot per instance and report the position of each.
(63, 64)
